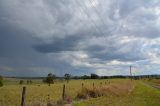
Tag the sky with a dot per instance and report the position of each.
(79, 37)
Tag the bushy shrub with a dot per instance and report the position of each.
(88, 92)
(83, 94)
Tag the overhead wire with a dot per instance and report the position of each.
(85, 11)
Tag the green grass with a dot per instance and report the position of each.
(153, 81)
(142, 95)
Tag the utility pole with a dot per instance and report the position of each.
(131, 72)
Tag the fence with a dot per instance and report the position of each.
(23, 98)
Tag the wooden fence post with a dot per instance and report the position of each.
(23, 96)
(63, 94)
(93, 84)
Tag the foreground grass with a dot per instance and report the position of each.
(10, 93)
(119, 92)
(142, 95)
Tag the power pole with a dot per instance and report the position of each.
(131, 72)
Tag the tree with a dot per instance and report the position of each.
(30, 81)
(50, 78)
(85, 77)
(1, 83)
(67, 77)
(27, 81)
(1, 78)
(94, 76)
(21, 82)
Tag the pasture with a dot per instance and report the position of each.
(115, 92)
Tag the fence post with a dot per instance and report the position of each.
(93, 84)
(63, 94)
(23, 96)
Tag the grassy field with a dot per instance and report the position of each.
(141, 95)
(118, 92)
(153, 81)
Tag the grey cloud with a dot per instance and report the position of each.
(37, 35)
(59, 45)
(125, 52)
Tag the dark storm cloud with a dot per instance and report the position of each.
(59, 45)
(13, 41)
(79, 37)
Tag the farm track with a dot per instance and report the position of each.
(155, 86)
(152, 85)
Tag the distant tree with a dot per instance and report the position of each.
(67, 77)
(1, 81)
(50, 78)
(94, 76)
(1, 78)
(85, 77)
(27, 81)
(21, 82)
(30, 81)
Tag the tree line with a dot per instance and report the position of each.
(50, 78)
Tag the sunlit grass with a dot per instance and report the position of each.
(10, 94)
(118, 92)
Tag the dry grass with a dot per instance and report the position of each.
(141, 95)
(155, 81)
(116, 89)
(10, 95)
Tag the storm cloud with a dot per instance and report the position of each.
(79, 37)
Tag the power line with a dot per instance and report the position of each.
(96, 11)
(85, 11)
(99, 15)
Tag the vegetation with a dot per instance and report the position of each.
(21, 82)
(67, 77)
(1, 81)
(35, 94)
(1, 78)
(153, 81)
(29, 81)
(50, 78)
(115, 92)
(141, 95)
(86, 77)
(94, 76)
